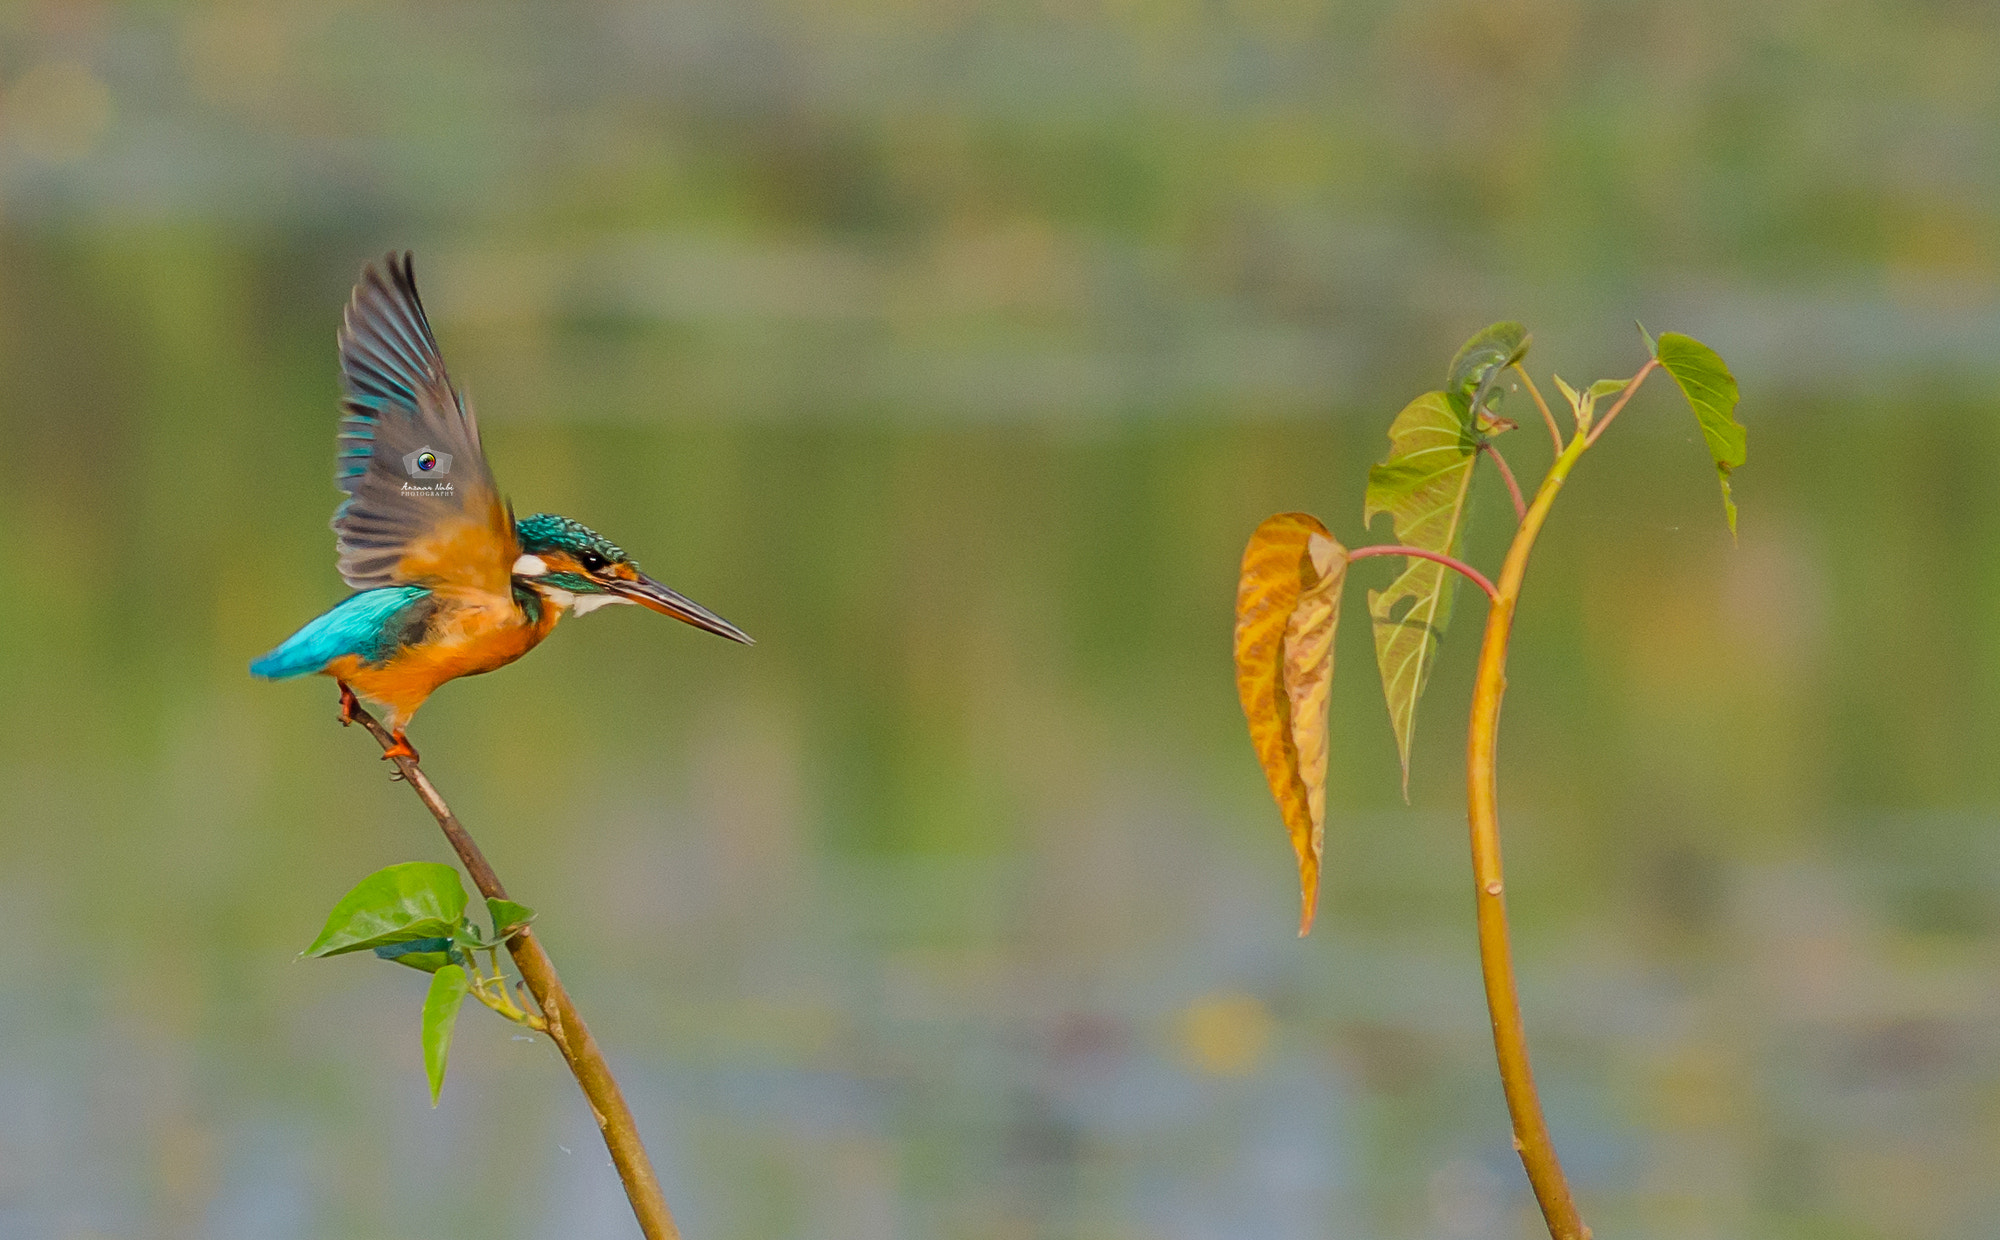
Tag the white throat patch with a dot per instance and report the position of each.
(579, 604)
(587, 603)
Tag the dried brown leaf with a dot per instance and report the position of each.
(1287, 609)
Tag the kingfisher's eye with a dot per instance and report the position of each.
(592, 562)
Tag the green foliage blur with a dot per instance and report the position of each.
(953, 349)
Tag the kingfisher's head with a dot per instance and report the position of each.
(574, 568)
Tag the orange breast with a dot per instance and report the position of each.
(469, 634)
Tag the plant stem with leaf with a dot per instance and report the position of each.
(559, 1017)
(1287, 601)
(1496, 960)
(1496, 957)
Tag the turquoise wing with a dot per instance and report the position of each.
(421, 505)
(370, 624)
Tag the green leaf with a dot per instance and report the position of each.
(1483, 360)
(1652, 345)
(1709, 387)
(508, 917)
(1584, 404)
(424, 955)
(1422, 484)
(448, 987)
(415, 900)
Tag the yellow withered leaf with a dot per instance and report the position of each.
(1287, 606)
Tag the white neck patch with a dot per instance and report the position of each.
(530, 566)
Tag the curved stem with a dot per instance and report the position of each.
(564, 1026)
(1496, 963)
(1555, 432)
(1513, 487)
(1468, 571)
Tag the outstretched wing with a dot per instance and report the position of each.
(421, 506)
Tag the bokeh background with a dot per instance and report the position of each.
(953, 348)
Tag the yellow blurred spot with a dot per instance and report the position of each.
(1224, 1034)
(57, 111)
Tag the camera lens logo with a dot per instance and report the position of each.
(427, 462)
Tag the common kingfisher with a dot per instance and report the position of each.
(447, 583)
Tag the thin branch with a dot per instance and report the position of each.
(1555, 432)
(1652, 363)
(1468, 571)
(564, 1026)
(1513, 488)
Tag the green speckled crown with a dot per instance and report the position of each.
(545, 531)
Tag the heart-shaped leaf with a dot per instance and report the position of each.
(415, 900)
(1287, 609)
(1422, 484)
(441, 1003)
(1711, 390)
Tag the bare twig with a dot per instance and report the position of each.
(564, 1026)
(1630, 388)
(1460, 566)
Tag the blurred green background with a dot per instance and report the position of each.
(954, 349)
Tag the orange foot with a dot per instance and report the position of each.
(401, 749)
(348, 704)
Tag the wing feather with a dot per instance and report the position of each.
(369, 624)
(449, 528)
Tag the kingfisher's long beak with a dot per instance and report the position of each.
(646, 592)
